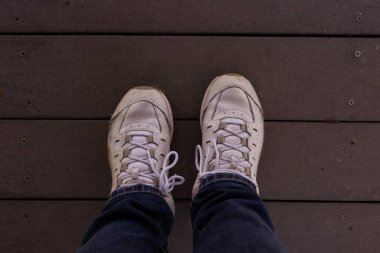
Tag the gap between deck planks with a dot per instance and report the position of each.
(58, 226)
(323, 17)
(301, 161)
(297, 79)
(303, 79)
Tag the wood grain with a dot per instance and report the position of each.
(302, 227)
(86, 76)
(191, 16)
(65, 64)
(301, 161)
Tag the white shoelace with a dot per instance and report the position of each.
(222, 163)
(149, 173)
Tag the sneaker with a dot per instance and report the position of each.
(232, 129)
(139, 137)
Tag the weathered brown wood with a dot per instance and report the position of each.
(85, 76)
(301, 161)
(327, 227)
(191, 16)
(303, 227)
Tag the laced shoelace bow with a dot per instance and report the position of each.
(239, 165)
(165, 183)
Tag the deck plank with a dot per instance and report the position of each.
(191, 16)
(301, 161)
(86, 76)
(303, 227)
(65, 64)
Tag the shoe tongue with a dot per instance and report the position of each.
(232, 140)
(139, 152)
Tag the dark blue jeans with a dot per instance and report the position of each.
(227, 216)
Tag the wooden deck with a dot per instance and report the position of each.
(64, 65)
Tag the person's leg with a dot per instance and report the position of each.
(139, 214)
(227, 212)
(135, 219)
(228, 216)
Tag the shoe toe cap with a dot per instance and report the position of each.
(233, 99)
(230, 92)
(147, 94)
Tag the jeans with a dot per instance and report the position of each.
(227, 216)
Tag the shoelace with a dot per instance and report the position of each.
(236, 164)
(165, 183)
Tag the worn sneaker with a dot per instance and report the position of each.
(139, 137)
(232, 129)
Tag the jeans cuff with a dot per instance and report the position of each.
(223, 177)
(134, 189)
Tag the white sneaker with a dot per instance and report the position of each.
(232, 129)
(139, 137)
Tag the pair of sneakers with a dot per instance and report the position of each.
(141, 130)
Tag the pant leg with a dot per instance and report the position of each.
(135, 219)
(228, 216)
